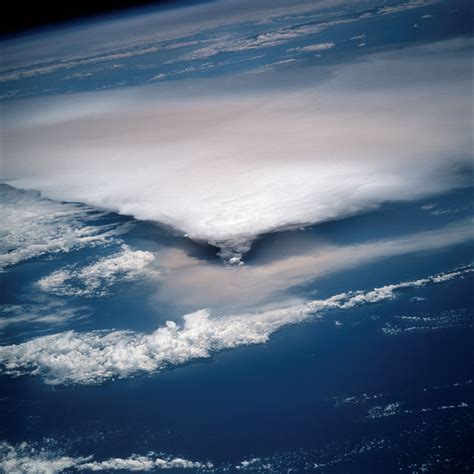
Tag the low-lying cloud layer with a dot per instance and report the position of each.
(26, 458)
(225, 166)
(98, 356)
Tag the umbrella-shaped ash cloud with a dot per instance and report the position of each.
(225, 164)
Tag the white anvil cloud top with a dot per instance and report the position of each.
(224, 166)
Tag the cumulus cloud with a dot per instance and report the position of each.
(143, 463)
(98, 356)
(31, 225)
(28, 458)
(25, 458)
(224, 168)
(98, 278)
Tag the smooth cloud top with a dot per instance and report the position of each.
(225, 167)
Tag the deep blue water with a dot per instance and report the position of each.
(280, 399)
(302, 399)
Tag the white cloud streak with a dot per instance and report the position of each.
(24, 458)
(41, 312)
(402, 7)
(314, 47)
(147, 30)
(98, 356)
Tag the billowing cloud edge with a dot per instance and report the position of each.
(27, 458)
(99, 356)
(238, 183)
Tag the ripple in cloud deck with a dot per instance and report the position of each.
(237, 236)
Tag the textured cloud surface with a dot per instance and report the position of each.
(225, 167)
(97, 278)
(94, 357)
(27, 458)
(31, 226)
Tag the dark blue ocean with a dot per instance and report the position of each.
(386, 387)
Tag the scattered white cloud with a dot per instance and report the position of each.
(149, 462)
(94, 357)
(79, 75)
(425, 17)
(98, 278)
(159, 77)
(31, 225)
(228, 44)
(28, 458)
(254, 464)
(439, 321)
(142, 35)
(58, 66)
(358, 37)
(384, 411)
(24, 458)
